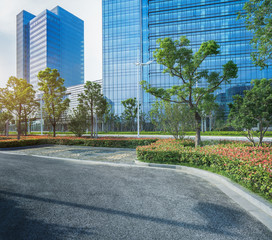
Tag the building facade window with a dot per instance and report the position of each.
(137, 24)
(53, 39)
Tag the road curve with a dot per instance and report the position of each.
(43, 198)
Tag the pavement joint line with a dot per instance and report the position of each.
(253, 204)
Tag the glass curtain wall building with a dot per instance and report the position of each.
(22, 39)
(54, 39)
(198, 20)
(121, 49)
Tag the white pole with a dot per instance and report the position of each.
(28, 126)
(41, 118)
(138, 92)
(7, 128)
(138, 102)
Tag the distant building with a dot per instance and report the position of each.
(72, 94)
(53, 39)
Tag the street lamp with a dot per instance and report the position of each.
(138, 93)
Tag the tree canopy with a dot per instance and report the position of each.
(258, 18)
(93, 101)
(179, 61)
(53, 94)
(174, 118)
(78, 121)
(253, 110)
(17, 96)
(130, 111)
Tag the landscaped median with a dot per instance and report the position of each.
(249, 166)
(8, 142)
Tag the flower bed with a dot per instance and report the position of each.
(250, 166)
(99, 142)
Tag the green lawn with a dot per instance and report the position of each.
(212, 133)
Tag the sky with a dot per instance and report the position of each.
(90, 11)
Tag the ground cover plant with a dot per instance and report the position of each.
(117, 142)
(250, 166)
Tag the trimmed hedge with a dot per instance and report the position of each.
(231, 160)
(113, 143)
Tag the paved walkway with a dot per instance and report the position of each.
(266, 139)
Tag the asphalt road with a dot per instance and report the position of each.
(54, 199)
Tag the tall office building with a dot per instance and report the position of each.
(130, 31)
(53, 39)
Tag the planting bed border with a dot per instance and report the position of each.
(113, 143)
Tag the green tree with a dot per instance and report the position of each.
(253, 110)
(174, 118)
(15, 97)
(53, 94)
(257, 15)
(130, 112)
(78, 121)
(29, 110)
(180, 61)
(4, 117)
(93, 101)
(111, 121)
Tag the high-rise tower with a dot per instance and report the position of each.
(53, 39)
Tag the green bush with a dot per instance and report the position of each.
(246, 165)
(113, 143)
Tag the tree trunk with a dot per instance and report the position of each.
(19, 123)
(19, 129)
(261, 133)
(25, 126)
(92, 123)
(54, 129)
(7, 128)
(198, 129)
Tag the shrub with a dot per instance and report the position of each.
(100, 142)
(250, 166)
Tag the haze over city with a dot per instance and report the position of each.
(89, 11)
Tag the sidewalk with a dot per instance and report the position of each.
(266, 139)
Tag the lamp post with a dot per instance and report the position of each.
(138, 93)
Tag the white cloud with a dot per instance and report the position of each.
(89, 11)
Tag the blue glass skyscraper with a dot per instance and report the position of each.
(53, 39)
(127, 39)
(22, 40)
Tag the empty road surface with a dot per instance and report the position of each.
(46, 198)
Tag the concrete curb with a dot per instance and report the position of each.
(252, 203)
